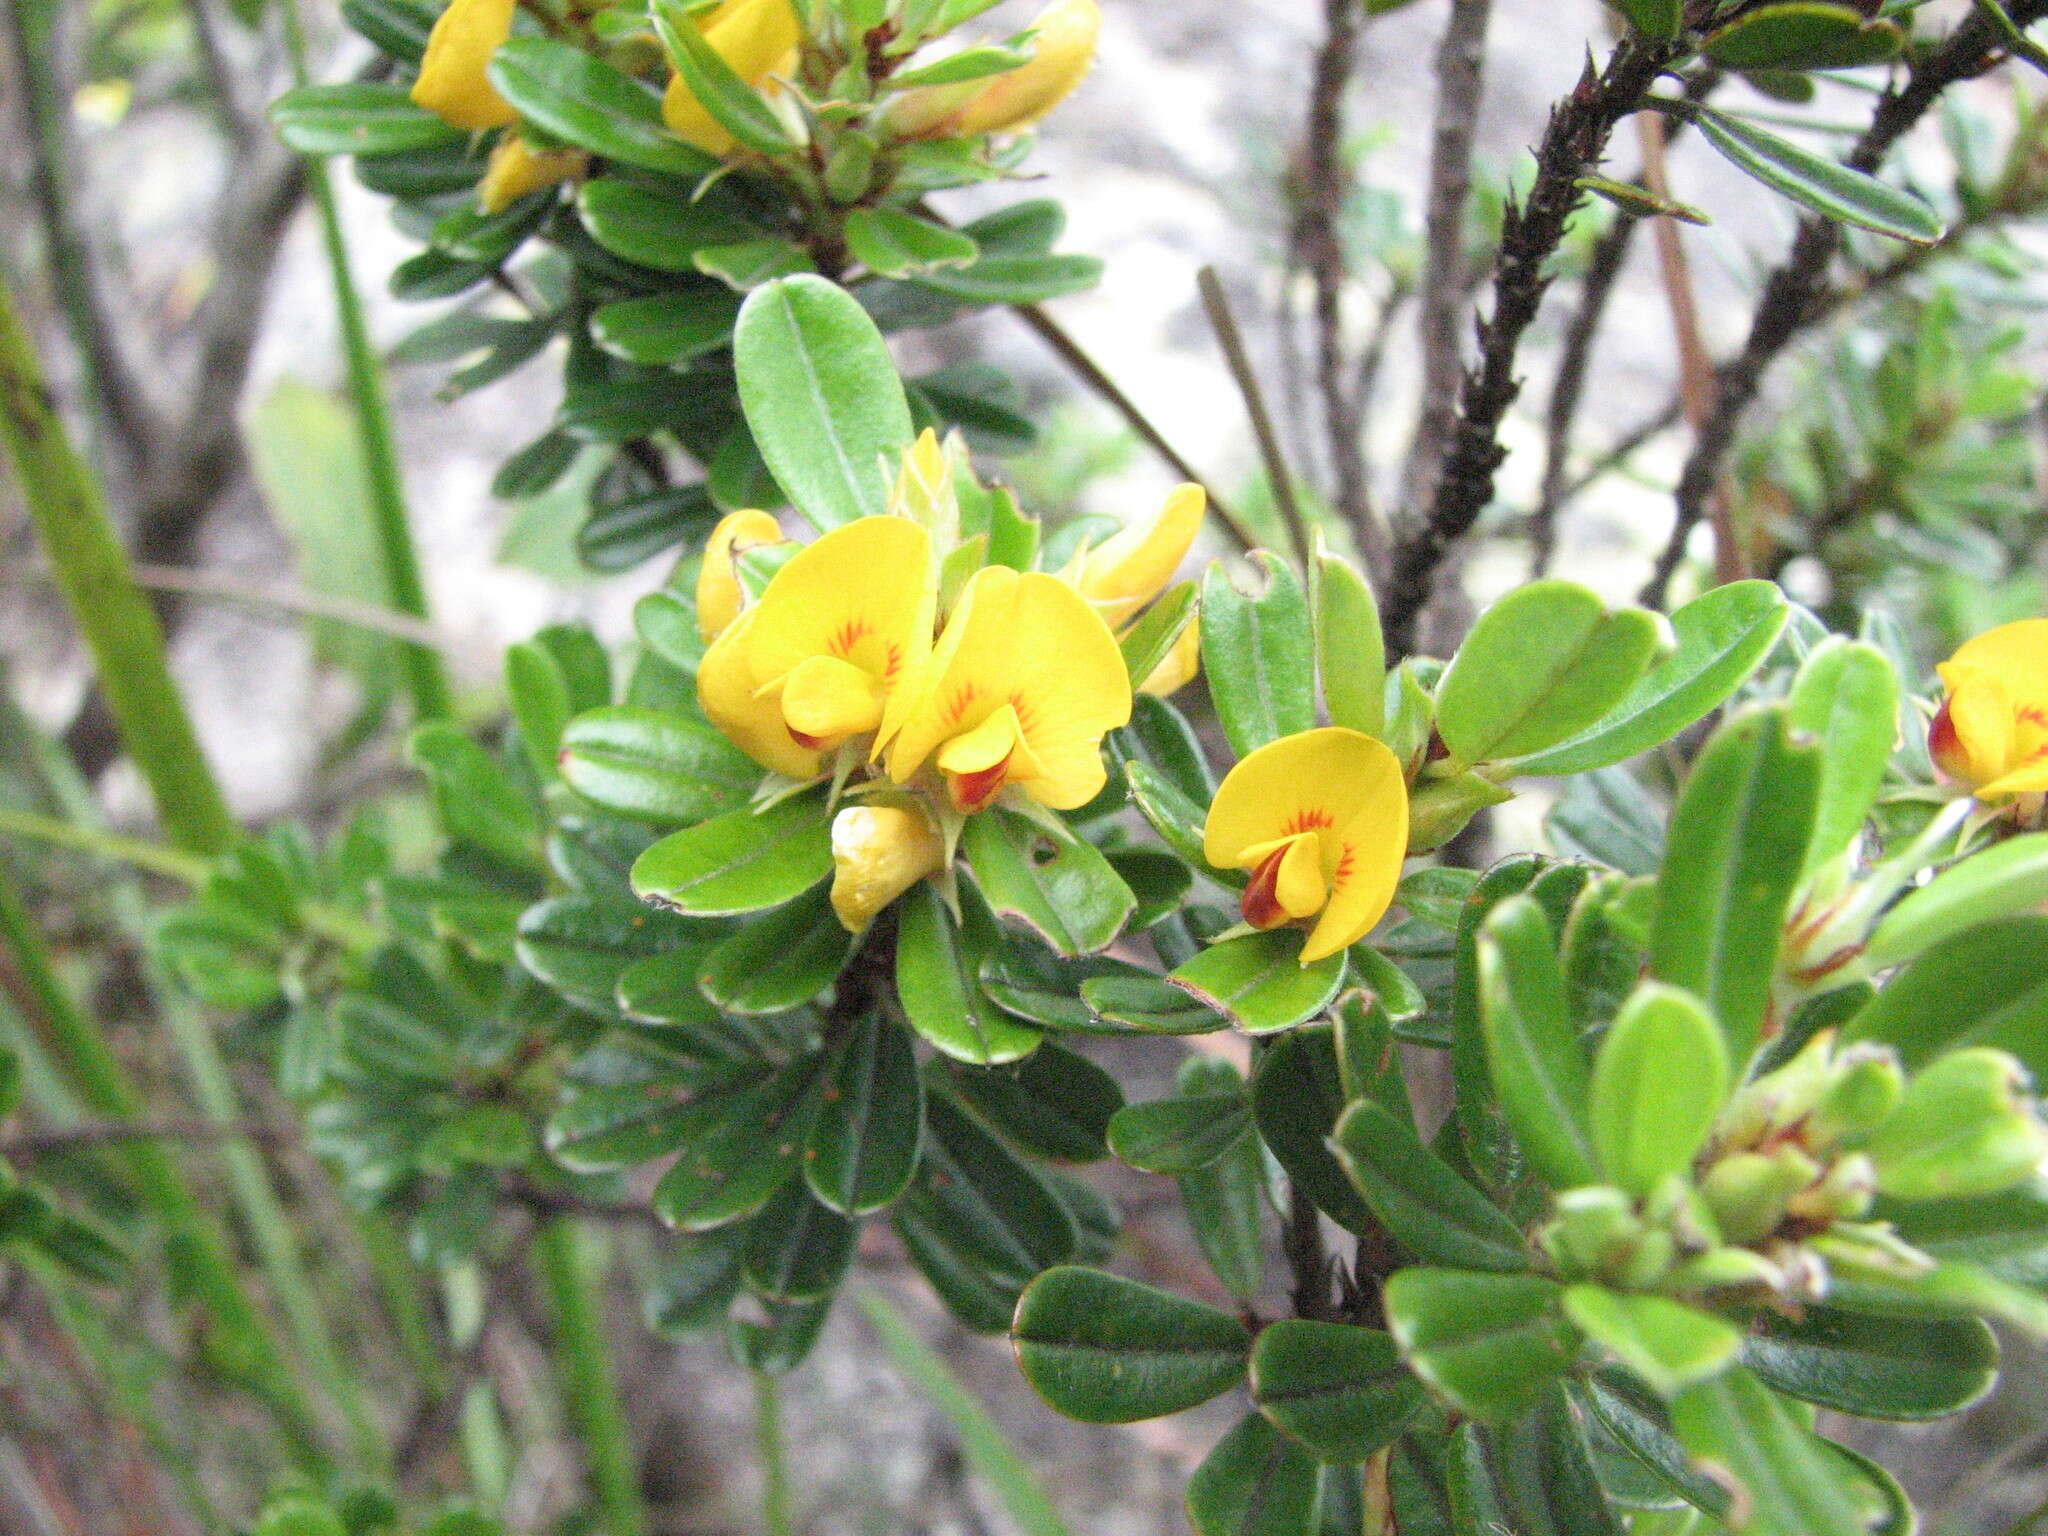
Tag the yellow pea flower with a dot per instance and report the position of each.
(756, 38)
(1020, 690)
(1060, 57)
(452, 83)
(719, 597)
(517, 169)
(878, 853)
(1992, 731)
(1126, 571)
(1321, 821)
(824, 655)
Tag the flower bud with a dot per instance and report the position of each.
(1866, 1088)
(517, 170)
(878, 853)
(1593, 1229)
(1748, 1191)
(1061, 55)
(1439, 809)
(719, 595)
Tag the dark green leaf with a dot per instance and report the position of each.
(863, 1146)
(780, 959)
(576, 97)
(1876, 1367)
(938, 966)
(1488, 1343)
(1297, 1095)
(1258, 981)
(663, 329)
(659, 231)
(1054, 1104)
(1341, 1391)
(1059, 888)
(1106, 1350)
(357, 118)
(1421, 1201)
(1986, 986)
(797, 1249)
(744, 861)
(1829, 188)
(654, 767)
(1255, 1482)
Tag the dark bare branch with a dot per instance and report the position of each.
(1572, 144)
(1460, 88)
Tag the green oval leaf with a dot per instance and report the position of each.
(572, 95)
(1488, 1343)
(1257, 653)
(938, 965)
(653, 766)
(1341, 1391)
(2006, 878)
(1543, 664)
(1106, 1350)
(1254, 1482)
(1733, 858)
(1051, 883)
(863, 1146)
(744, 861)
(1846, 697)
(358, 117)
(1803, 35)
(1785, 1479)
(1258, 982)
(1418, 1197)
(1876, 1367)
(821, 397)
(779, 960)
(1533, 1056)
(1658, 1086)
(1986, 986)
(1720, 637)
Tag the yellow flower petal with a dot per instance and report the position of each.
(1178, 667)
(719, 595)
(517, 169)
(1025, 641)
(978, 763)
(1060, 57)
(1977, 746)
(825, 700)
(2016, 652)
(452, 83)
(731, 700)
(864, 593)
(1345, 788)
(756, 38)
(878, 853)
(1127, 571)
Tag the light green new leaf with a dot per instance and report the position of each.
(1667, 1343)
(1734, 855)
(1846, 697)
(1533, 1056)
(1541, 665)
(1658, 1084)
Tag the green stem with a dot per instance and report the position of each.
(589, 1388)
(209, 1266)
(768, 1447)
(425, 678)
(127, 644)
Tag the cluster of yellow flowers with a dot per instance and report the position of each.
(845, 668)
(759, 41)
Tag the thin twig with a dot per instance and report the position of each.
(1069, 351)
(1696, 387)
(1795, 295)
(1572, 144)
(1302, 1237)
(1318, 245)
(312, 605)
(1460, 81)
(1217, 306)
(44, 1140)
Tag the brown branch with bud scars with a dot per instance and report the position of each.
(1572, 144)
(1795, 296)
